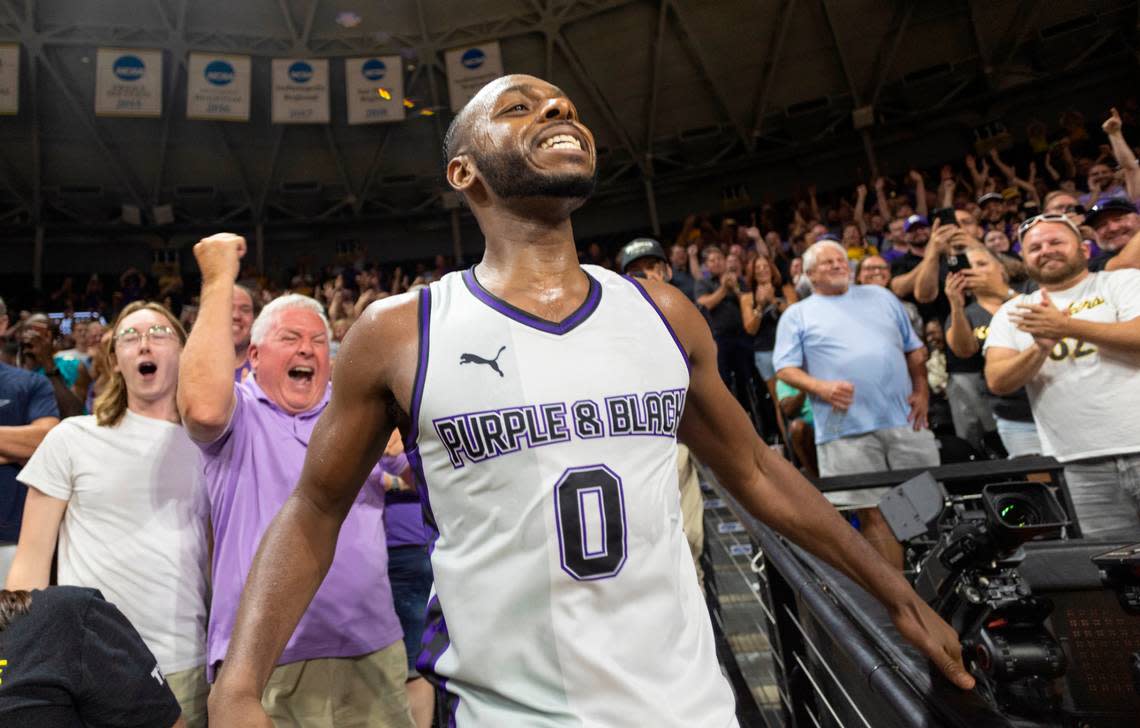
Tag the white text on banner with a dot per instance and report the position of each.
(374, 88)
(469, 69)
(217, 87)
(128, 82)
(300, 91)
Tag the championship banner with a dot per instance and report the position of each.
(217, 87)
(470, 69)
(300, 91)
(374, 88)
(128, 82)
(9, 79)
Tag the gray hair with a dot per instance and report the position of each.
(267, 319)
(811, 255)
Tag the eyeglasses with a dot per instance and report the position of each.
(131, 337)
(1048, 217)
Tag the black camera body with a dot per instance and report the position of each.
(967, 570)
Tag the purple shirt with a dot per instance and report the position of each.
(250, 472)
(403, 512)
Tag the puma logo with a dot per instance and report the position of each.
(476, 359)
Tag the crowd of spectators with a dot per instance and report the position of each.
(978, 310)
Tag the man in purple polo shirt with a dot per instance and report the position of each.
(344, 664)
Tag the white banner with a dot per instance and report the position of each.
(470, 69)
(374, 88)
(128, 82)
(217, 87)
(9, 78)
(300, 91)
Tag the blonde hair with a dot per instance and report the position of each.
(111, 403)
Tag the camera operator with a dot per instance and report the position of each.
(1074, 344)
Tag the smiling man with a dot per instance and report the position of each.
(564, 591)
(1074, 345)
(344, 664)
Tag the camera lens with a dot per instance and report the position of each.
(1017, 511)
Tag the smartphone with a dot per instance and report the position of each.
(957, 262)
(945, 216)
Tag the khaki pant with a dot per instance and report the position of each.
(341, 692)
(192, 692)
(692, 507)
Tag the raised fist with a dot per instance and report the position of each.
(1112, 124)
(219, 257)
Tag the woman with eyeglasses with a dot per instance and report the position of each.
(123, 492)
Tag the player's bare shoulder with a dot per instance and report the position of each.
(681, 313)
(380, 351)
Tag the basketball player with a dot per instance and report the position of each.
(564, 594)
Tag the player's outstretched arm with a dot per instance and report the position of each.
(298, 547)
(719, 433)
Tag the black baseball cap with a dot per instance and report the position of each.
(1106, 205)
(640, 248)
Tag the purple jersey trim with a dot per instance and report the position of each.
(668, 327)
(593, 297)
(421, 370)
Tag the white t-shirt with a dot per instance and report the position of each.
(135, 525)
(1086, 402)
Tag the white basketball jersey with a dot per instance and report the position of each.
(565, 593)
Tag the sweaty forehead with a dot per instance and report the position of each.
(1043, 231)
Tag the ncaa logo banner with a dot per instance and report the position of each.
(300, 91)
(217, 87)
(469, 69)
(374, 88)
(9, 79)
(128, 82)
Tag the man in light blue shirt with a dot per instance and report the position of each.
(853, 350)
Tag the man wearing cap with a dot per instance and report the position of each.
(1117, 226)
(644, 258)
(992, 206)
(1074, 345)
(917, 276)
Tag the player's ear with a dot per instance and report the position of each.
(461, 173)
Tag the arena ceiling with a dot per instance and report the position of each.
(675, 91)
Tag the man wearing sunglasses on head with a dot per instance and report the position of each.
(1074, 344)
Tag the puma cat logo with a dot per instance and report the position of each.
(476, 359)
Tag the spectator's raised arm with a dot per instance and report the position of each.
(206, 377)
(860, 202)
(920, 205)
(1123, 154)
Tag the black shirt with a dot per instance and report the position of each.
(724, 318)
(1098, 263)
(765, 337)
(939, 308)
(681, 279)
(1009, 407)
(75, 660)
